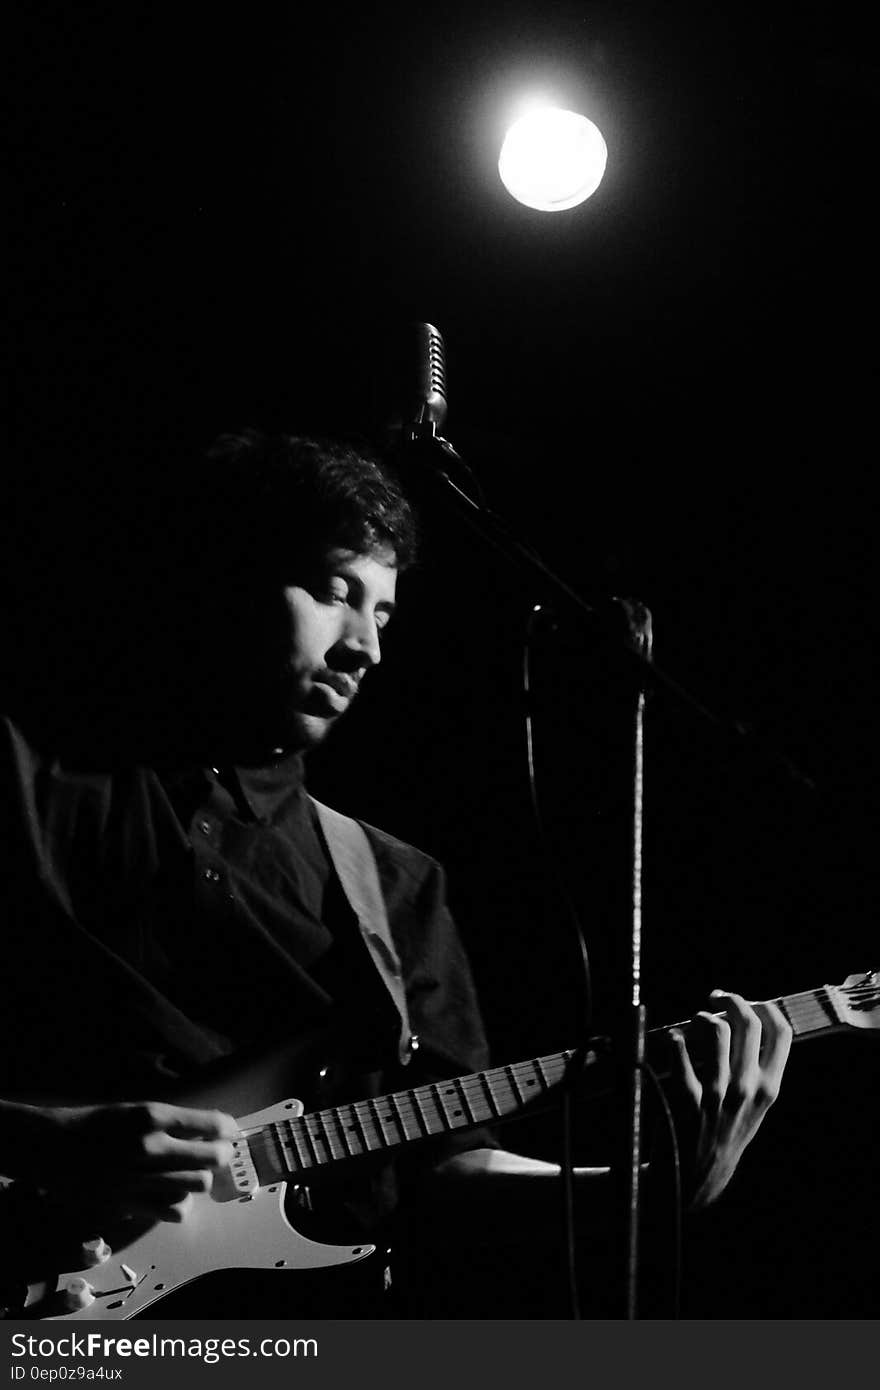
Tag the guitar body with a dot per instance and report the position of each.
(239, 1225)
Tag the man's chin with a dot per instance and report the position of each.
(296, 730)
(306, 731)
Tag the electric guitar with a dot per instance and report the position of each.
(242, 1222)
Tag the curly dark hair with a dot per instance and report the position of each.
(270, 499)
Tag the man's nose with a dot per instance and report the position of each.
(361, 639)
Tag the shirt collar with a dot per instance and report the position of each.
(265, 790)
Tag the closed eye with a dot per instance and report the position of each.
(336, 591)
(383, 616)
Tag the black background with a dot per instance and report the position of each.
(227, 216)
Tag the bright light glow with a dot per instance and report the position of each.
(552, 159)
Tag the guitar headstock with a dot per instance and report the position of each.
(857, 1000)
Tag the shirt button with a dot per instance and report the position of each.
(212, 876)
(205, 827)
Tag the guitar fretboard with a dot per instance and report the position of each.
(812, 1012)
(291, 1148)
(345, 1132)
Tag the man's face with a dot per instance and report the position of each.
(323, 636)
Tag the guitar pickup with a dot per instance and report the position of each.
(239, 1181)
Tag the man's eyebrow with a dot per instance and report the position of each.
(346, 571)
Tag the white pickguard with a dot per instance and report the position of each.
(222, 1231)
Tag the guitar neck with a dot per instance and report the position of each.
(302, 1146)
(810, 1014)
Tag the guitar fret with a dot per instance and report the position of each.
(407, 1116)
(457, 1118)
(476, 1096)
(555, 1067)
(334, 1143)
(539, 1062)
(382, 1121)
(308, 1124)
(527, 1080)
(295, 1128)
(325, 1143)
(476, 1110)
(825, 1006)
(347, 1121)
(492, 1106)
(429, 1109)
(372, 1138)
(501, 1090)
(420, 1117)
(274, 1151)
(513, 1073)
(811, 1012)
(470, 1112)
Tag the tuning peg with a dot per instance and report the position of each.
(862, 978)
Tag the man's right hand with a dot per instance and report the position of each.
(141, 1160)
(144, 1159)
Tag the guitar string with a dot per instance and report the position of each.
(408, 1108)
(392, 1130)
(476, 1086)
(423, 1112)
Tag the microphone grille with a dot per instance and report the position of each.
(437, 358)
(430, 356)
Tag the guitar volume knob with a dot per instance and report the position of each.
(95, 1252)
(76, 1294)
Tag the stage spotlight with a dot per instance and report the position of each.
(552, 159)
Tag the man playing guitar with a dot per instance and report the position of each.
(176, 902)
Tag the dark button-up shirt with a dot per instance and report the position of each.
(156, 920)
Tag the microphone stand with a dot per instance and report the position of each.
(634, 644)
(606, 616)
(631, 1169)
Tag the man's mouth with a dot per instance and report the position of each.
(342, 684)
